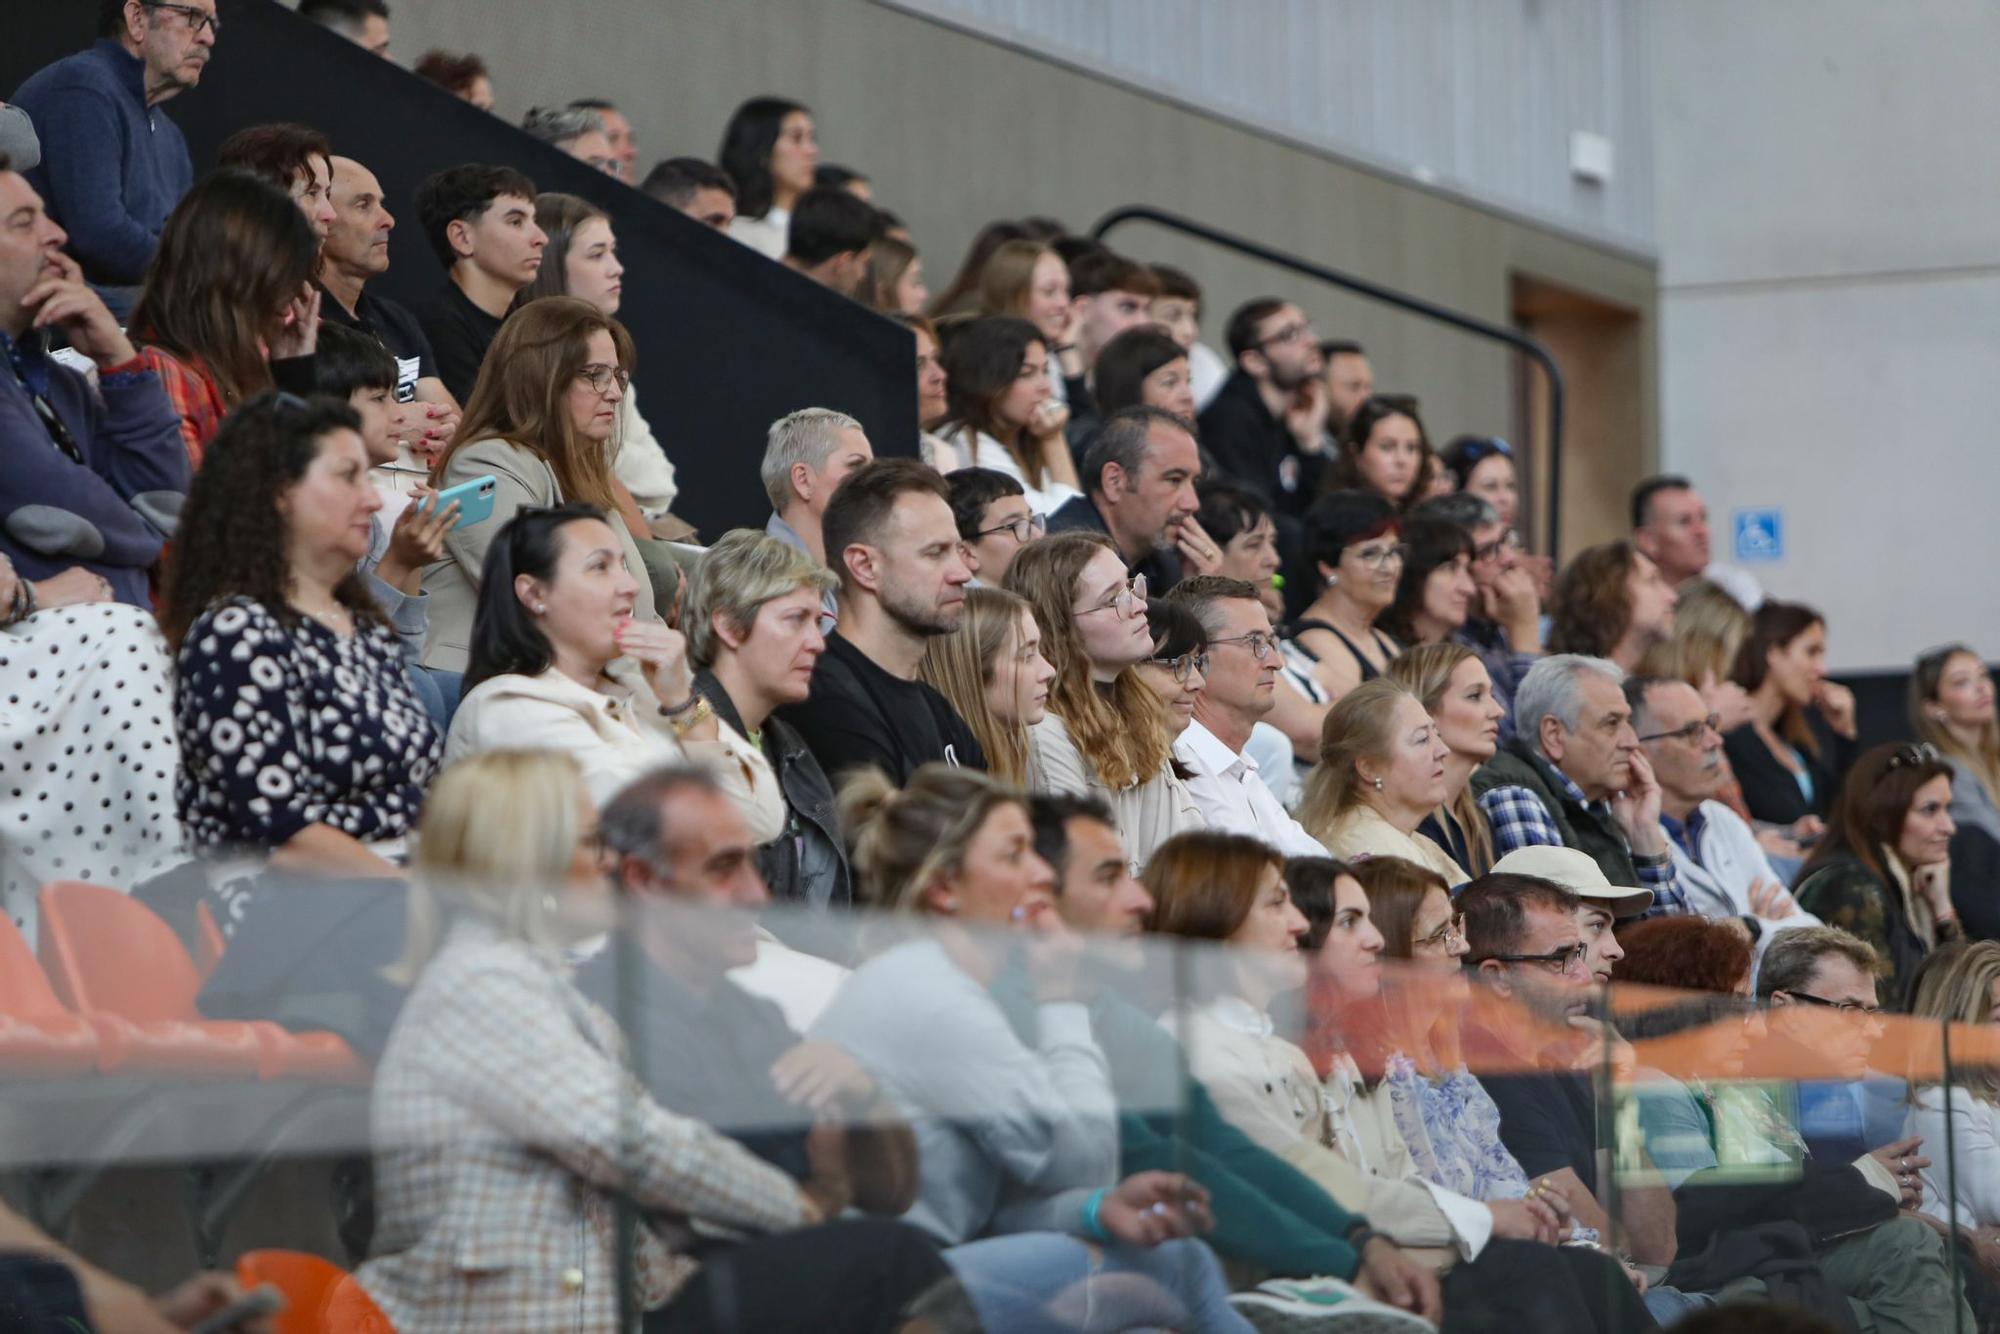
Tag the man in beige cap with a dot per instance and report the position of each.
(1600, 903)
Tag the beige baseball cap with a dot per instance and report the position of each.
(1579, 873)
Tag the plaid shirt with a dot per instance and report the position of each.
(195, 396)
(1520, 820)
(505, 1125)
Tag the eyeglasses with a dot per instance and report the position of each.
(1291, 333)
(1690, 733)
(1259, 643)
(197, 19)
(601, 377)
(1845, 1007)
(1445, 937)
(1183, 667)
(1376, 557)
(1130, 597)
(1024, 529)
(1563, 961)
(1507, 541)
(1914, 756)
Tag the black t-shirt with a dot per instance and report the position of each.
(1548, 1122)
(397, 329)
(1079, 514)
(1256, 450)
(859, 715)
(460, 333)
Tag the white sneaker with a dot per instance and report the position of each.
(1315, 1305)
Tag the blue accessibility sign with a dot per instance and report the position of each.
(1760, 534)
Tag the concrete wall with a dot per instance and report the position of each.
(956, 131)
(1830, 240)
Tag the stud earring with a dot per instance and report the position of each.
(541, 609)
(1378, 785)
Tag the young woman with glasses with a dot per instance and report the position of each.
(1382, 772)
(1104, 733)
(1178, 669)
(1354, 538)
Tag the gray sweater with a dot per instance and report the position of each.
(1011, 1137)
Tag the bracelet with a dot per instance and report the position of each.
(1359, 1236)
(676, 710)
(1091, 1223)
(690, 718)
(25, 603)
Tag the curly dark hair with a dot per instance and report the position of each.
(232, 540)
(1690, 953)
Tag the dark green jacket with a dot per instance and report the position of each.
(1519, 765)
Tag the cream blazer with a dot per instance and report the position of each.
(615, 733)
(1363, 831)
(1148, 813)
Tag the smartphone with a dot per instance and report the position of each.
(475, 500)
(255, 1304)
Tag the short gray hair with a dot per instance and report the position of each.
(561, 125)
(1460, 507)
(741, 572)
(1553, 688)
(808, 436)
(1123, 439)
(1792, 958)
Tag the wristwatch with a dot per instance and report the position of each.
(686, 717)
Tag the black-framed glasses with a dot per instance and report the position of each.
(1563, 961)
(1183, 667)
(197, 19)
(1376, 557)
(1914, 755)
(601, 377)
(1023, 530)
(1129, 596)
(1507, 541)
(1291, 333)
(1691, 733)
(1258, 642)
(1845, 1007)
(1450, 934)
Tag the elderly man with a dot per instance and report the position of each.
(1574, 776)
(1139, 474)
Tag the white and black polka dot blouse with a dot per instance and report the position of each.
(282, 727)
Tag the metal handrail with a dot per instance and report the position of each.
(1429, 310)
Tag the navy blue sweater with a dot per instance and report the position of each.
(107, 513)
(112, 167)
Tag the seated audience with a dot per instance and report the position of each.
(559, 662)
(1484, 466)
(807, 455)
(1951, 707)
(268, 613)
(1966, 1116)
(577, 132)
(96, 473)
(1574, 776)
(1239, 688)
(1354, 544)
(464, 77)
(113, 167)
(994, 521)
(933, 403)
(833, 176)
(769, 149)
(539, 423)
(894, 283)
(830, 238)
(1179, 308)
(463, 1102)
(1709, 629)
(227, 310)
(1144, 367)
(618, 132)
(1350, 382)
(1109, 294)
(1239, 522)
(1002, 414)
(753, 638)
(1788, 766)
(1018, 1138)
(889, 536)
(961, 295)
(992, 672)
(1384, 449)
(1266, 427)
(1177, 671)
(1611, 602)
(1381, 774)
(1139, 473)
(1451, 683)
(1102, 733)
(480, 222)
(1883, 869)
(1435, 593)
(1230, 889)
(699, 189)
(1717, 862)
(1027, 279)
(1670, 525)
(363, 22)
(1504, 626)
(295, 158)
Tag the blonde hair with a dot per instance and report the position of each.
(734, 579)
(1361, 723)
(960, 667)
(1958, 989)
(1009, 277)
(1709, 629)
(1983, 757)
(1425, 671)
(1121, 733)
(902, 841)
(499, 832)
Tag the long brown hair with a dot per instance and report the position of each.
(982, 359)
(523, 391)
(1773, 626)
(1868, 815)
(1008, 278)
(1591, 607)
(960, 665)
(1360, 723)
(1982, 758)
(558, 215)
(1425, 671)
(233, 255)
(1204, 882)
(1374, 1030)
(1121, 733)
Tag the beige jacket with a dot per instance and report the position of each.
(525, 480)
(615, 734)
(1363, 831)
(1148, 813)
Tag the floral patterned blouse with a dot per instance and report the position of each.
(1453, 1130)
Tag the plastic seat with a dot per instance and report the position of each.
(37, 1034)
(300, 1055)
(350, 1310)
(307, 1282)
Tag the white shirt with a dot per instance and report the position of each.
(1231, 795)
(770, 235)
(1731, 862)
(1044, 497)
(1208, 371)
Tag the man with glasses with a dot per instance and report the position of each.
(1505, 629)
(994, 520)
(1267, 425)
(1242, 682)
(1717, 862)
(807, 454)
(1139, 473)
(113, 165)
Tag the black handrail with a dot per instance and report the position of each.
(1388, 296)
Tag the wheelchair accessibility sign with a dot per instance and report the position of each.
(1760, 535)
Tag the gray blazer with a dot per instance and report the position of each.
(525, 480)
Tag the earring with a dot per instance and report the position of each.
(1378, 785)
(1333, 579)
(541, 609)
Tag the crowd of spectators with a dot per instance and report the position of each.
(1138, 644)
